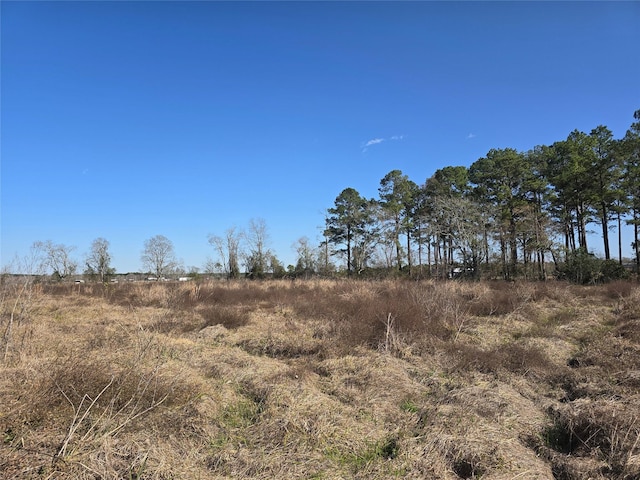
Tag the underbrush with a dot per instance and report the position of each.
(66, 414)
(320, 379)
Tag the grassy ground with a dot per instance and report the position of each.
(320, 380)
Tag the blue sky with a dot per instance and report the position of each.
(125, 120)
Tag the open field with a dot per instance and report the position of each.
(320, 379)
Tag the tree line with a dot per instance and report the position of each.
(238, 253)
(509, 214)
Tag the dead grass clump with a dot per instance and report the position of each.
(280, 335)
(608, 355)
(58, 289)
(315, 299)
(466, 463)
(526, 359)
(563, 316)
(168, 321)
(17, 304)
(629, 330)
(502, 299)
(69, 409)
(626, 323)
(547, 290)
(460, 440)
(628, 306)
(121, 295)
(517, 358)
(361, 313)
(371, 380)
(234, 292)
(136, 295)
(121, 390)
(444, 307)
(548, 323)
(181, 297)
(605, 432)
(228, 316)
(619, 289)
(395, 316)
(300, 423)
(280, 346)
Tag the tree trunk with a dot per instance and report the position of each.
(485, 238)
(503, 256)
(429, 255)
(420, 249)
(409, 251)
(636, 240)
(348, 250)
(438, 256)
(513, 240)
(582, 228)
(605, 231)
(570, 234)
(619, 239)
(398, 246)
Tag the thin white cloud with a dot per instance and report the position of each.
(371, 142)
(376, 141)
(470, 136)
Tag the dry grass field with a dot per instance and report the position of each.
(320, 380)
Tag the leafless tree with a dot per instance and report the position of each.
(158, 256)
(306, 257)
(99, 260)
(57, 258)
(227, 248)
(258, 256)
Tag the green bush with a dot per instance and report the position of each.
(612, 270)
(583, 267)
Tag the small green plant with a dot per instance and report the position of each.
(8, 436)
(240, 414)
(384, 449)
(409, 406)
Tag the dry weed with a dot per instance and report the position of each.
(323, 379)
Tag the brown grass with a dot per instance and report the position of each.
(320, 379)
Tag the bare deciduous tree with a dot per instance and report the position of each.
(306, 261)
(158, 256)
(57, 258)
(258, 256)
(227, 249)
(98, 260)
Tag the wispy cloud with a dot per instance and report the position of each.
(376, 141)
(470, 136)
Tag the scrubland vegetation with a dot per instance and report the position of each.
(320, 379)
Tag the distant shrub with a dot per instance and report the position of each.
(583, 267)
(612, 270)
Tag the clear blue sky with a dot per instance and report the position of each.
(125, 120)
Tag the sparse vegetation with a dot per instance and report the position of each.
(320, 379)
